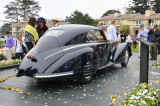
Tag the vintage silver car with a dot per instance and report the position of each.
(72, 51)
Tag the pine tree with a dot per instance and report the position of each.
(21, 10)
(12, 11)
(28, 8)
(139, 6)
(156, 6)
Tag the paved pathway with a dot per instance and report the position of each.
(111, 81)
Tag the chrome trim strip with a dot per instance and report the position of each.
(53, 75)
(81, 45)
(53, 54)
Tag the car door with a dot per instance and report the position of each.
(97, 39)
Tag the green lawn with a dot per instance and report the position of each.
(135, 50)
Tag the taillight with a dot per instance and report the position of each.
(30, 57)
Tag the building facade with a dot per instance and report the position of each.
(19, 27)
(149, 19)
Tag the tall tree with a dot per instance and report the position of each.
(110, 12)
(28, 8)
(78, 17)
(156, 5)
(21, 9)
(139, 6)
(12, 11)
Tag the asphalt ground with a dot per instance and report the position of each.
(110, 81)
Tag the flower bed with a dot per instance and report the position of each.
(143, 95)
(158, 63)
(4, 63)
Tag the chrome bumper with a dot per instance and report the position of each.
(53, 75)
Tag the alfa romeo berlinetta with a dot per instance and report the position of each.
(72, 51)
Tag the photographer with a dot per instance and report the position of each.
(123, 36)
(154, 41)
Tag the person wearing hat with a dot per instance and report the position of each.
(102, 27)
(41, 28)
(143, 33)
(9, 44)
(154, 41)
(55, 22)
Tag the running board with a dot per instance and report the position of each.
(109, 64)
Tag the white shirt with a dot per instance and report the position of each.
(129, 39)
(56, 25)
(18, 46)
(143, 31)
(111, 33)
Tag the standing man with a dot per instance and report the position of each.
(55, 21)
(8, 46)
(111, 32)
(154, 41)
(143, 33)
(112, 37)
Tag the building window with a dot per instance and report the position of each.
(151, 22)
(105, 22)
(118, 22)
(18, 28)
(137, 22)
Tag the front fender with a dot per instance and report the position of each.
(66, 58)
(121, 48)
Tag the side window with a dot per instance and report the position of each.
(94, 35)
(77, 40)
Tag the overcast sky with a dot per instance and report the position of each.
(63, 8)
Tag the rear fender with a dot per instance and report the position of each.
(66, 58)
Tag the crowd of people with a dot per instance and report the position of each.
(25, 42)
(152, 35)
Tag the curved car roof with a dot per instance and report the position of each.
(71, 31)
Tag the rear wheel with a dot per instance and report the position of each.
(125, 61)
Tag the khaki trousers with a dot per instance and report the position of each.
(7, 53)
(154, 50)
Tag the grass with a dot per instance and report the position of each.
(135, 50)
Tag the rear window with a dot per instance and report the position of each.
(55, 33)
(46, 43)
